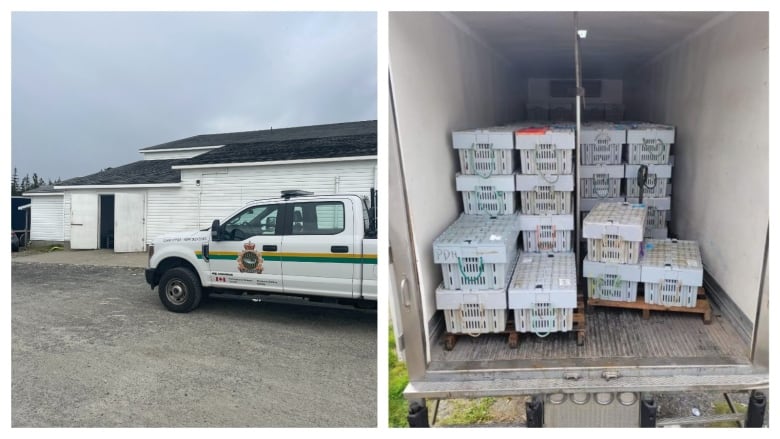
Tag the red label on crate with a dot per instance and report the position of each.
(532, 131)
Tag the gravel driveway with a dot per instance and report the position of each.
(93, 346)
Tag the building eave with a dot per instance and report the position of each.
(119, 186)
(278, 162)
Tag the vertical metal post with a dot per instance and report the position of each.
(418, 414)
(578, 215)
(648, 412)
(534, 412)
(756, 410)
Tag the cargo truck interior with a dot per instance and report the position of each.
(706, 73)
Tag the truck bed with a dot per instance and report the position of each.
(614, 337)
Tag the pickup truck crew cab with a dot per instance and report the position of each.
(299, 244)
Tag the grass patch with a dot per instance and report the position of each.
(399, 378)
(469, 412)
(722, 408)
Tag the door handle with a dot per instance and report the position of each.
(339, 249)
(406, 298)
(269, 248)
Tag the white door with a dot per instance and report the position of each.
(129, 221)
(83, 221)
(319, 252)
(247, 254)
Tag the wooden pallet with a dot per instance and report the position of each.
(450, 339)
(513, 337)
(702, 307)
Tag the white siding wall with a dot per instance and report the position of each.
(46, 218)
(162, 155)
(223, 190)
(170, 210)
(66, 216)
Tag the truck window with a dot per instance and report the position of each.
(256, 220)
(318, 218)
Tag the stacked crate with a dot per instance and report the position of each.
(672, 272)
(477, 252)
(543, 292)
(546, 185)
(614, 233)
(650, 145)
(487, 163)
(601, 165)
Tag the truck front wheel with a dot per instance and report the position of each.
(180, 290)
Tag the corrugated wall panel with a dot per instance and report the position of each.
(46, 218)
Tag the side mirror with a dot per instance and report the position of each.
(215, 230)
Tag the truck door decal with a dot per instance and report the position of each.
(250, 261)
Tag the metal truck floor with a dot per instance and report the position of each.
(614, 337)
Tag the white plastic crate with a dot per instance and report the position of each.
(547, 233)
(486, 152)
(657, 213)
(601, 181)
(546, 151)
(489, 195)
(587, 204)
(656, 232)
(470, 312)
(657, 179)
(608, 281)
(539, 197)
(602, 144)
(543, 292)
(476, 251)
(672, 272)
(614, 232)
(649, 143)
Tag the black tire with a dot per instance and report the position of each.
(180, 290)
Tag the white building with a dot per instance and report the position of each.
(185, 184)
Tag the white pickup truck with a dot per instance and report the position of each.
(318, 247)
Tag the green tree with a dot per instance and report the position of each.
(25, 183)
(15, 184)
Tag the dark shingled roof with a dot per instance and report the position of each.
(140, 172)
(301, 149)
(280, 134)
(43, 190)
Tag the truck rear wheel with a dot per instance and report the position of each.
(180, 290)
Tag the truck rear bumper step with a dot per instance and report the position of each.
(510, 387)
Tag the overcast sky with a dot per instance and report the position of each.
(90, 89)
